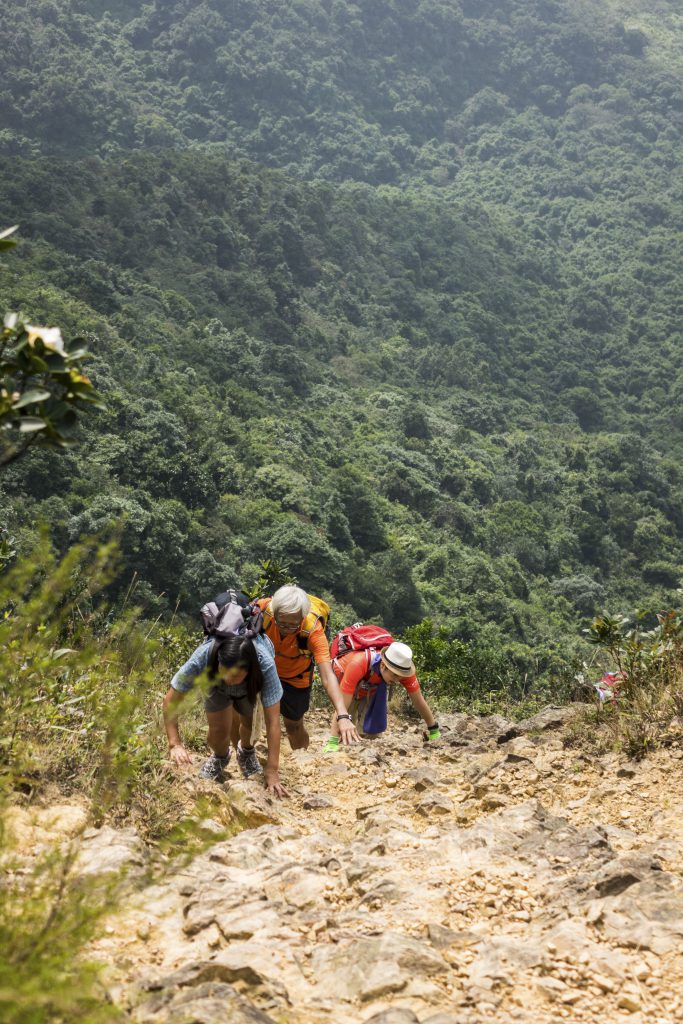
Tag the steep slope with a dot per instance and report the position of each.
(493, 878)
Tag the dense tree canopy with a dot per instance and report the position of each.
(387, 291)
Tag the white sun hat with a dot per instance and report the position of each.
(398, 658)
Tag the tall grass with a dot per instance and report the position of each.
(80, 697)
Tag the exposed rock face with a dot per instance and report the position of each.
(108, 851)
(495, 876)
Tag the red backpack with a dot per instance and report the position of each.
(359, 638)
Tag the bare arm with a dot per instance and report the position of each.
(347, 730)
(171, 709)
(422, 707)
(271, 718)
(334, 724)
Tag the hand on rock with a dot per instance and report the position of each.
(274, 786)
(347, 732)
(179, 755)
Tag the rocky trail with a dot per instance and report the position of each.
(498, 876)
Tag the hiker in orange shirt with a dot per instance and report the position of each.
(298, 636)
(361, 672)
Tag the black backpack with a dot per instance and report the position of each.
(231, 613)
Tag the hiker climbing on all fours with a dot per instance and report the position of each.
(295, 623)
(239, 668)
(366, 665)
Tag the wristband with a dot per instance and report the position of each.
(341, 717)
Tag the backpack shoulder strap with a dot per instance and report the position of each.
(364, 682)
(373, 654)
(266, 607)
(310, 622)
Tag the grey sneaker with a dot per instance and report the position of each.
(248, 762)
(213, 769)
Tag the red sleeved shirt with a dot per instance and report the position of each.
(358, 673)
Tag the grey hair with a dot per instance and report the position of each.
(291, 601)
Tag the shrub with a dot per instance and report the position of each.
(482, 677)
(651, 663)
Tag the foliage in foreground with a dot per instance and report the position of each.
(78, 700)
(46, 918)
(78, 690)
(42, 385)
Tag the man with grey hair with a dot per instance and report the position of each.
(295, 623)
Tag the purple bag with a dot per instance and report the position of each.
(231, 614)
(375, 720)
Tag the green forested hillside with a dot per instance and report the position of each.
(387, 291)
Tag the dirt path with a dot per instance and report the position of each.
(490, 878)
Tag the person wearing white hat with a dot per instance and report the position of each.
(361, 672)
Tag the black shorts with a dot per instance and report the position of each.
(222, 696)
(296, 700)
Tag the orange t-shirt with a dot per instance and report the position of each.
(294, 665)
(357, 673)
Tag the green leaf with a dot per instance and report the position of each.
(34, 363)
(62, 652)
(5, 241)
(31, 424)
(30, 397)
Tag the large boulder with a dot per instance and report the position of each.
(372, 967)
(646, 915)
(210, 1003)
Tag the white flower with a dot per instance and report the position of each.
(10, 321)
(50, 336)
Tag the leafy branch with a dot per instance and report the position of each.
(42, 384)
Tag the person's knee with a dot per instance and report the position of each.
(296, 733)
(219, 733)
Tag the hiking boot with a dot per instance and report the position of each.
(214, 767)
(248, 761)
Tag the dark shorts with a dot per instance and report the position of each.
(222, 696)
(296, 700)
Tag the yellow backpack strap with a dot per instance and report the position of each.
(305, 631)
(320, 612)
(309, 623)
(268, 615)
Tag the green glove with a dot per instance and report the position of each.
(433, 733)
